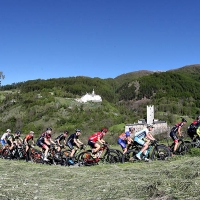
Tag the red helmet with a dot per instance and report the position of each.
(105, 130)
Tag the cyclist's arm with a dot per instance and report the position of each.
(79, 141)
(149, 136)
(57, 141)
(129, 140)
(102, 141)
(46, 141)
(52, 141)
(20, 140)
(179, 131)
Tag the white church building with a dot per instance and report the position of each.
(90, 97)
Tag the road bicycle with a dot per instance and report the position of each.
(105, 155)
(155, 152)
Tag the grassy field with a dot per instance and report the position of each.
(177, 178)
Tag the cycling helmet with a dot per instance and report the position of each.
(31, 132)
(8, 130)
(66, 132)
(78, 130)
(198, 118)
(150, 126)
(49, 129)
(184, 120)
(131, 128)
(18, 132)
(105, 130)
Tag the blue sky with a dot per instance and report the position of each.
(96, 38)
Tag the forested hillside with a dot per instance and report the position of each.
(36, 104)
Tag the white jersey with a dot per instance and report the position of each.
(4, 136)
(141, 134)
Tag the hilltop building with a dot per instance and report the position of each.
(90, 97)
(159, 126)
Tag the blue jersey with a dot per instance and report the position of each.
(123, 136)
(141, 134)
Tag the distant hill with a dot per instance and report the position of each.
(36, 104)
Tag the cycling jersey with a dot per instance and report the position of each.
(192, 129)
(176, 127)
(11, 138)
(95, 136)
(4, 136)
(123, 136)
(43, 136)
(60, 137)
(41, 139)
(142, 134)
(28, 137)
(72, 137)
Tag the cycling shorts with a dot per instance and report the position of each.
(139, 141)
(173, 136)
(3, 142)
(91, 143)
(122, 143)
(71, 145)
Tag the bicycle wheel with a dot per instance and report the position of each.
(129, 156)
(184, 147)
(6, 154)
(120, 154)
(86, 159)
(112, 156)
(160, 152)
(36, 157)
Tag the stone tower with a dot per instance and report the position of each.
(150, 114)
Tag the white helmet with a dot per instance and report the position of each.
(8, 130)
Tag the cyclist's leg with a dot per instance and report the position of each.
(175, 140)
(143, 144)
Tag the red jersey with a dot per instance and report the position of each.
(95, 136)
(28, 137)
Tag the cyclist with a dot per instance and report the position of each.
(192, 129)
(143, 138)
(73, 141)
(177, 129)
(61, 137)
(125, 138)
(4, 138)
(44, 141)
(97, 137)
(27, 145)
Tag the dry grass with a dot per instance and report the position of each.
(178, 178)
